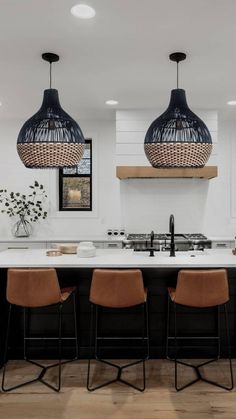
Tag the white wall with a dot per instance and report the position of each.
(106, 213)
(139, 205)
(198, 205)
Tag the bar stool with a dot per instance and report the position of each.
(37, 288)
(117, 289)
(199, 289)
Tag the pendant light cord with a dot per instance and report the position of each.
(177, 57)
(177, 74)
(50, 75)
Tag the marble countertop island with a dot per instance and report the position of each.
(119, 258)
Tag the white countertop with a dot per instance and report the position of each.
(103, 238)
(37, 239)
(114, 258)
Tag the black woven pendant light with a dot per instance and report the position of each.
(50, 138)
(178, 137)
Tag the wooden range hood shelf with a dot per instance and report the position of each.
(148, 172)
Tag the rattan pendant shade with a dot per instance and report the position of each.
(50, 138)
(178, 137)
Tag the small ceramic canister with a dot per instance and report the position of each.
(86, 250)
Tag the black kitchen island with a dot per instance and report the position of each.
(158, 273)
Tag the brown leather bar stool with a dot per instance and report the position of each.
(117, 289)
(34, 288)
(199, 289)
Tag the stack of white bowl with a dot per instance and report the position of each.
(86, 250)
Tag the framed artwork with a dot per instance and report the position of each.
(75, 183)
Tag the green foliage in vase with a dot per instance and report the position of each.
(28, 206)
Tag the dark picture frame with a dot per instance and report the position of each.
(75, 183)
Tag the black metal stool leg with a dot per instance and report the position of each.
(59, 348)
(24, 331)
(229, 357)
(90, 346)
(6, 389)
(96, 350)
(43, 368)
(175, 347)
(119, 368)
(5, 358)
(143, 339)
(167, 327)
(147, 330)
(197, 367)
(75, 327)
(59, 364)
(229, 347)
(218, 331)
(180, 362)
(145, 334)
(96, 332)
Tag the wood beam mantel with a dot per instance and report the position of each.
(148, 172)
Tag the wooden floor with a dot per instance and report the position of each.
(159, 401)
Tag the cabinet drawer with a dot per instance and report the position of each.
(24, 245)
(222, 245)
(113, 245)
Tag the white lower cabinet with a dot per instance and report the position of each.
(52, 245)
(98, 244)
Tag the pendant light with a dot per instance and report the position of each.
(50, 138)
(178, 137)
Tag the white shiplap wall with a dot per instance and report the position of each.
(131, 127)
(147, 203)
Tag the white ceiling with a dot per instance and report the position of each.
(121, 54)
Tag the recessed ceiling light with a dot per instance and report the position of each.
(83, 11)
(231, 102)
(111, 102)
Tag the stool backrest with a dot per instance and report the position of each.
(33, 287)
(117, 288)
(202, 288)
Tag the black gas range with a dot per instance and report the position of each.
(161, 242)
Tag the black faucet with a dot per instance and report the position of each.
(152, 248)
(172, 238)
